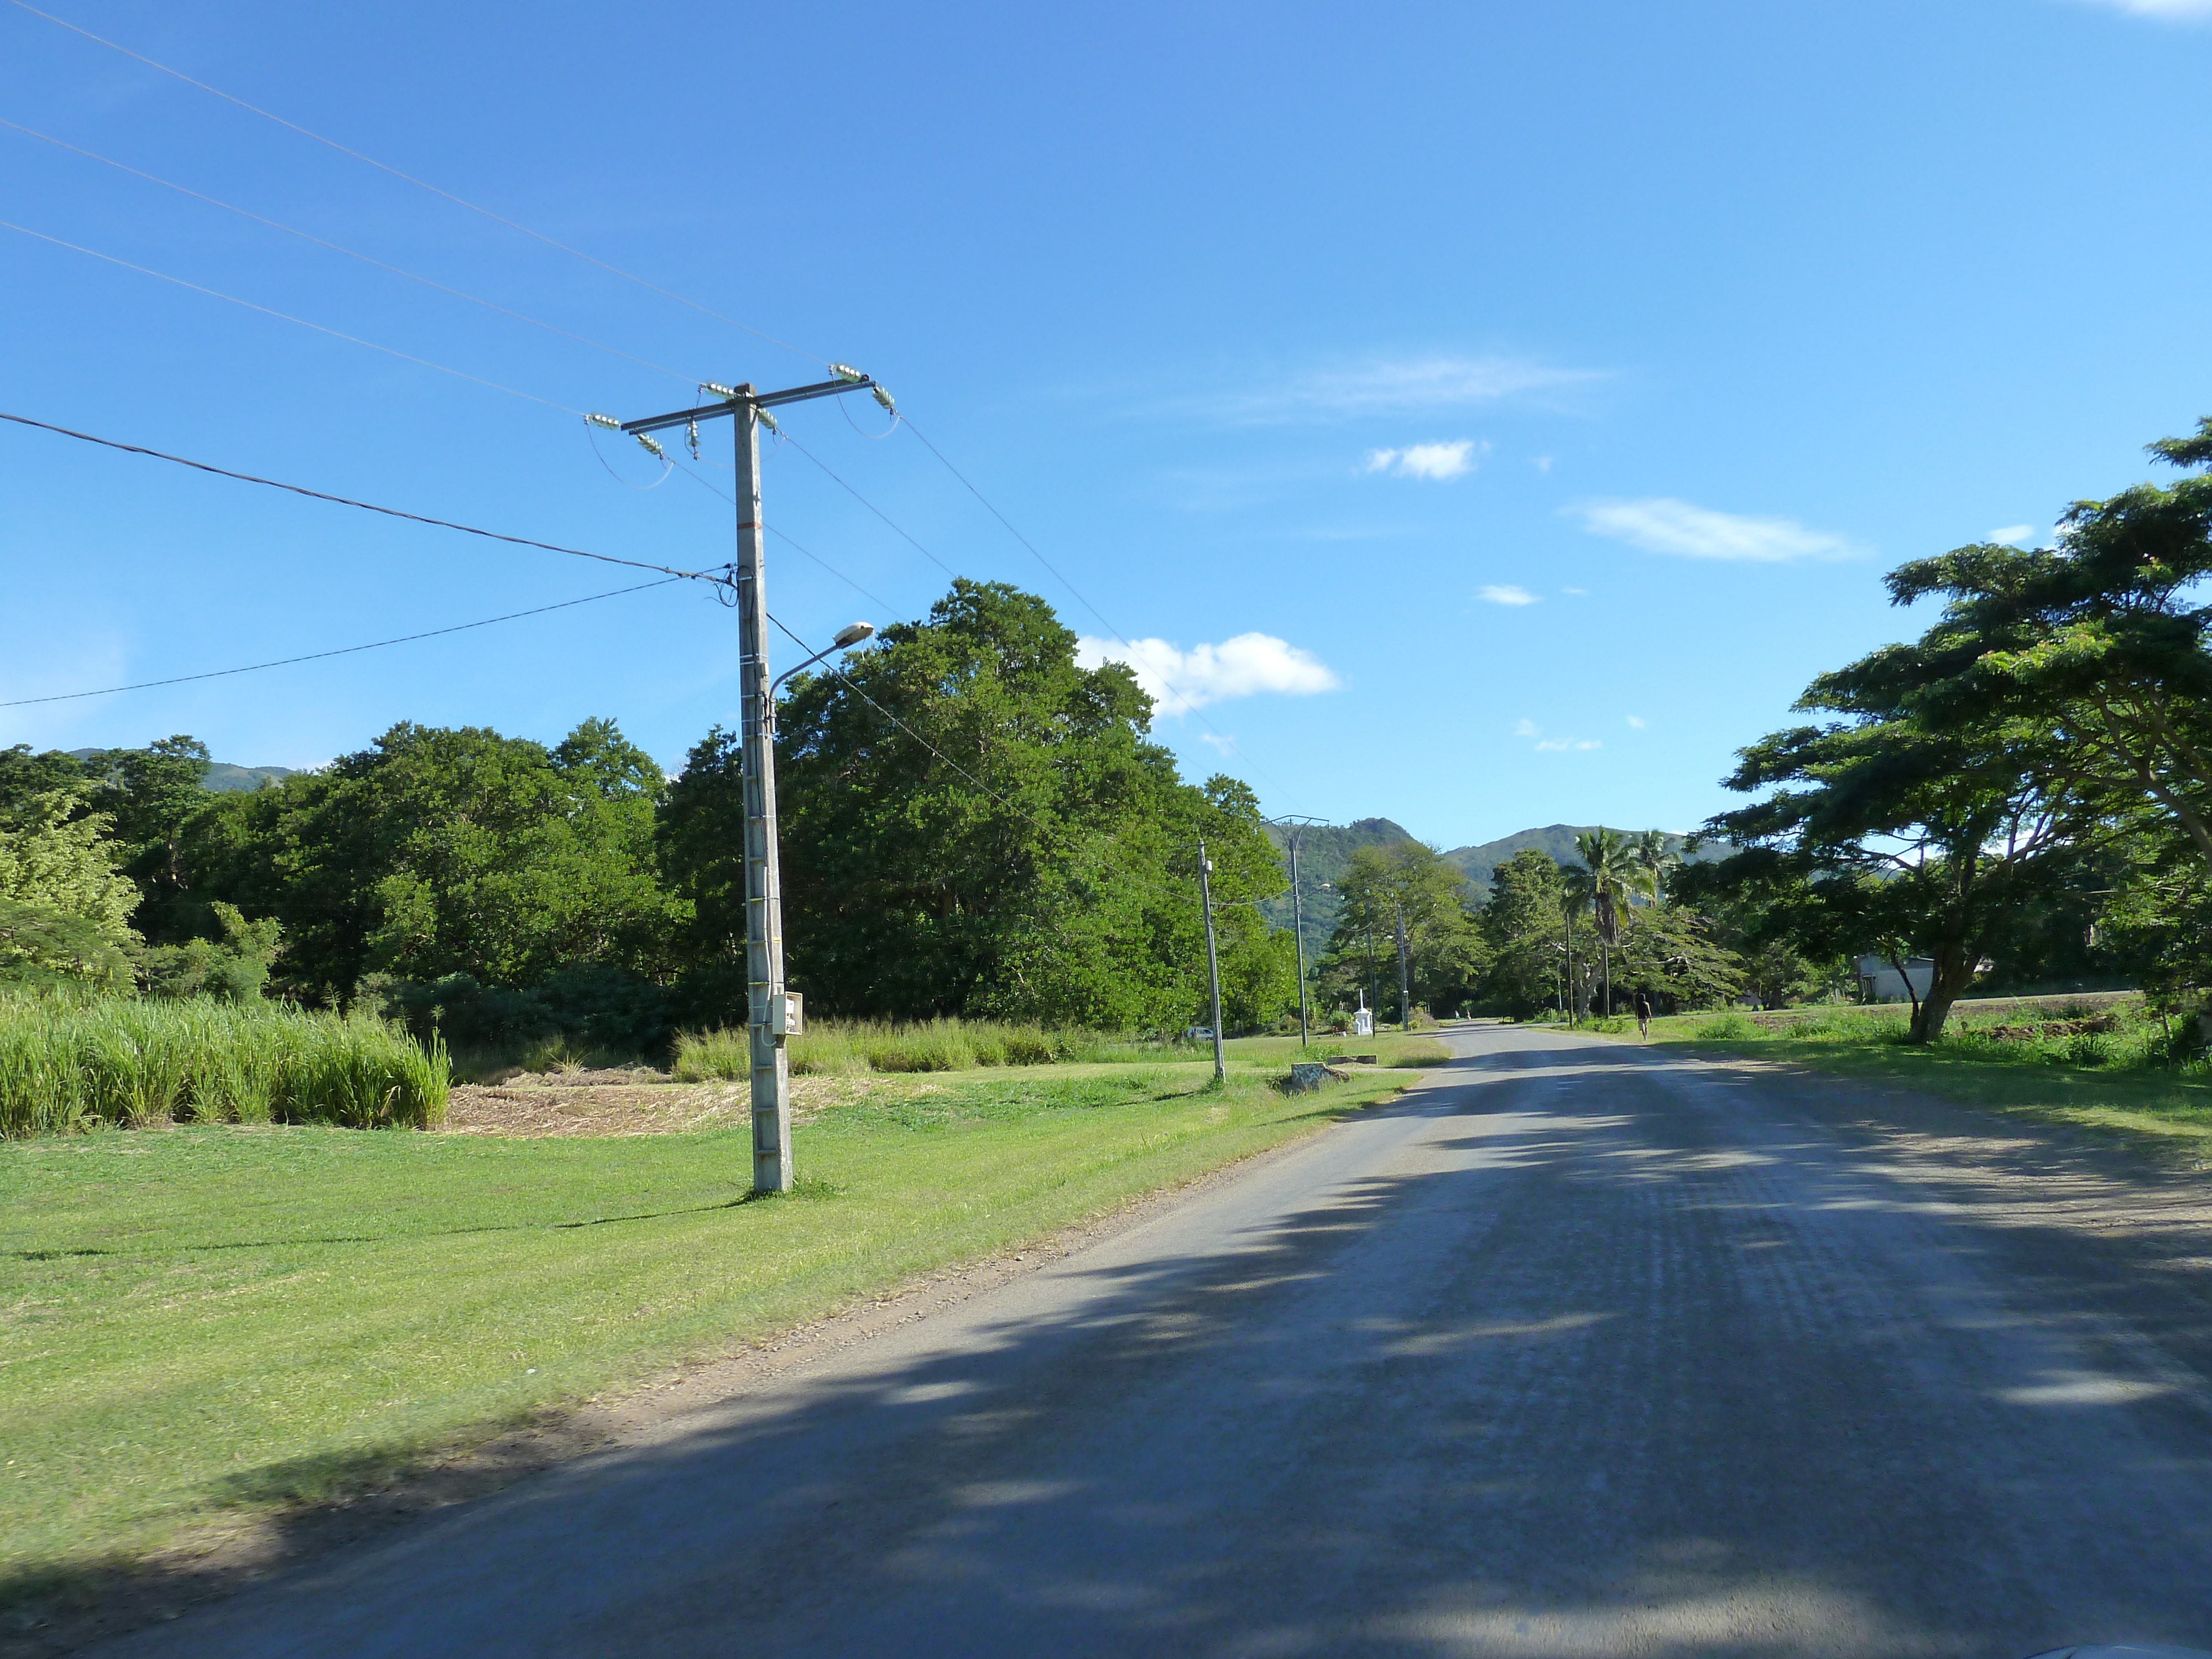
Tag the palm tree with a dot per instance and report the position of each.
(1653, 853)
(1611, 873)
(1576, 895)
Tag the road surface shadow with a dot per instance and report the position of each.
(1618, 1357)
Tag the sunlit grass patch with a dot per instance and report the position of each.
(228, 1322)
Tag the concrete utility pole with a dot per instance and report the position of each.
(769, 1017)
(1213, 960)
(1405, 978)
(1295, 827)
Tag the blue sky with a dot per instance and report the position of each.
(1488, 415)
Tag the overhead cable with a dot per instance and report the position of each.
(286, 317)
(1049, 827)
(1190, 706)
(873, 508)
(343, 651)
(409, 178)
(366, 506)
(708, 484)
(366, 258)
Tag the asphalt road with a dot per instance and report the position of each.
(1578, 1350)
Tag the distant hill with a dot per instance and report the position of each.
(223, 777)
(1555, 840)
(1323, 853)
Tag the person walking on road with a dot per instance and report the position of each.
(1643, 1015)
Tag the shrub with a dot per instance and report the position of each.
(68, 1065)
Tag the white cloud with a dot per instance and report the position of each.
(2178, 9)
(1543, 464)
(2015, 534)
(1577, 592)
(1635, 722)
(1438, 461)
(1181, 680)
(1505, 594)
(1662, 525)
(1529, 728)
(1380, 387)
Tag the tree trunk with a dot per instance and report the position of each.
(1954, 972)
(1608, 981)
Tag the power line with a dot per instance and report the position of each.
(1190, 706)
(1048, 828)
(873, 508)
(354, 339)
(708, 485)
(368, 259)
(343, 651)
(366, 506)
(409, 178)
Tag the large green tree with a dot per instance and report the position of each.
(437, 852)
(65, 907)
(1524, 926)
(1405, 883)
(973, 824)
(2102, 636)
(1892, 833)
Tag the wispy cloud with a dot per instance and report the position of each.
(1544, 745)
(1438, 461)
(1244, 666)
(1386, 387)
(1504, 593)
(2175, 11)
(1662, 525)
(2012, 532)
(1635, 722)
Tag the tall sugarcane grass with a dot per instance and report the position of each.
(70, 1065)
(846, 1048)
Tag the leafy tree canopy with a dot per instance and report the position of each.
(442, 851)
(973, 824)
(65, 909)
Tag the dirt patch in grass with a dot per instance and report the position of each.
(625, 1102)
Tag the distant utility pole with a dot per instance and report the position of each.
(1405, 980)
(768, 1013)
(1295, 827)
(1213, 960)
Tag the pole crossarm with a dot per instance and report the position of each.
(797, 394)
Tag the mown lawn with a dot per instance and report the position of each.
(2109, 1084)
(1414, 1049)
(204, 1322)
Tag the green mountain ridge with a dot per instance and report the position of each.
(1324, 850)
(224, 777)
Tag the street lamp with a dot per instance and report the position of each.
(1296, 826)
(849, 635)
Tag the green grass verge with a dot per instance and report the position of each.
(221, 1321)
(2107, 1080)
(1389, 1048)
